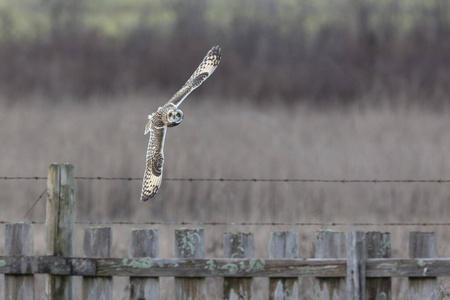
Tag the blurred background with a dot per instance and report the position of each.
(311, 89)
(292, 50)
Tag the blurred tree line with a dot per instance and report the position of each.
(289, 50)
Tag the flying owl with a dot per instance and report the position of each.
(169, 116)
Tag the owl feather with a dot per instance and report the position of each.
(204, 70)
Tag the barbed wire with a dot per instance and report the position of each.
(287, 180)
(300, 224)
(302, 180)
(22, 177)
(35, 202)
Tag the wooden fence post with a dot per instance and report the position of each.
(19, 241)
(378, 246)
(237, 245)
(60, 220)
(330, 244)
(283, 244)
(190, 243)
(97, 243)
(423, 245)
(356, 265)
(144, 243)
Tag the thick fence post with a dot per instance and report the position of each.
(98, 244)
(423, 245)
(283, 244)
(190, 243)
(378, 246)
(237, 245)
(19, 241)
(356, 265)
(330, 244)
(144, 243)
(60, 226)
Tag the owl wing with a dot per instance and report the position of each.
(154, 162)
(204, 70)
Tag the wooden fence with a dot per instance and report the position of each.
(356, 266)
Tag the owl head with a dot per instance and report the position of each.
(174, 117)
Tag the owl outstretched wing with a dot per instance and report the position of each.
(204, 70)
(154, 162)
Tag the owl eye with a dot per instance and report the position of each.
(171, 115)
(178, 115)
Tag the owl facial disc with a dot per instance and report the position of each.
(174, 117)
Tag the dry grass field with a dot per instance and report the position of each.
(233, 139)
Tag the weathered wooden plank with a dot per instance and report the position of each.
(283, 244)
(238, 245)
(356, 265)
(60, 219)
(19, 241)
(330, 244)
(190, 243)
(397, 267)
(144, 243)
(97, 243)
(220, 267)
(423, 244)
(148, 267)
(378, 246)
(54, 265)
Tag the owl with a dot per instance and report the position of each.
(170, 115)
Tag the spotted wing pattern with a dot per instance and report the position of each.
(204, 70)
(154, 162)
